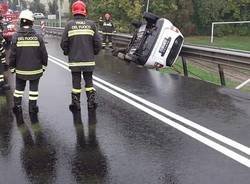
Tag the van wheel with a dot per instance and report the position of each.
(150, 18)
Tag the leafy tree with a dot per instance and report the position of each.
(191, 16)
(24, 4)
(37, 6)
(53, 7)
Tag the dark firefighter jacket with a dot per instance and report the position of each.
(81, 42)
(2, 58)
(107, 27)
(28, 57)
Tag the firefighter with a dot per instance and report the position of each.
(81, 42)
(28, 59)
(3, 66)
(107, 29)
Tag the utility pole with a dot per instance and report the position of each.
(19, 5)
(147, 6)
(60, 13)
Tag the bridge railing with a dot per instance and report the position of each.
(221, 57)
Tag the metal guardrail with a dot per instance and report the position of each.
(221, 57)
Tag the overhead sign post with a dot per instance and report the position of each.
(221, 23)
(60, 13)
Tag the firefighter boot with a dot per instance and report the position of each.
(1, 88)
(77, 117)
(33, 111)
(91, 99)
(75, 108)
(75, 105)
(110, 44)
(17, 110)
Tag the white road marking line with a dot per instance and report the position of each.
(185, 121)
(229, 153)
(243, 84)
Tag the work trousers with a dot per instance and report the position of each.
(107, 40)
(76, 82)
(33, 92)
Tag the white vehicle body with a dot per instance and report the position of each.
(164, 45)
(157, 43)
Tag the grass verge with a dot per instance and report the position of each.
(232, 42)
(202, 74)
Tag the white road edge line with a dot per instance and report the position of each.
(185, 121)
(243, 84)
(229, 153)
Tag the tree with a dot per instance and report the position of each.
(123, 11)
(184, 16)
(53, 7)
(13, 4)
(191, 16)
(210, 11)
(23, 4)
(37, 6)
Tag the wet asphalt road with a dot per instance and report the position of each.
(121, 144)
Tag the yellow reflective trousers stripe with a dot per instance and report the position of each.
(81, 32)
(34, 72)
(33, 93)
(33, 98)
(1, 78)
(76, 91)
(18, 94)
(72, 64)
(90, 89)
(28, 44)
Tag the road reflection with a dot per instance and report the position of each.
(6, 126)
(89, 164)
(38, 155)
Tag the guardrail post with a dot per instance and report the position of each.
(222, 76)
(184, 64)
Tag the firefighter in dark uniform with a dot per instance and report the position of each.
(81, 42)
(107, 30)
(28, 59)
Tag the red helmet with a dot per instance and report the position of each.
(79, 8)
